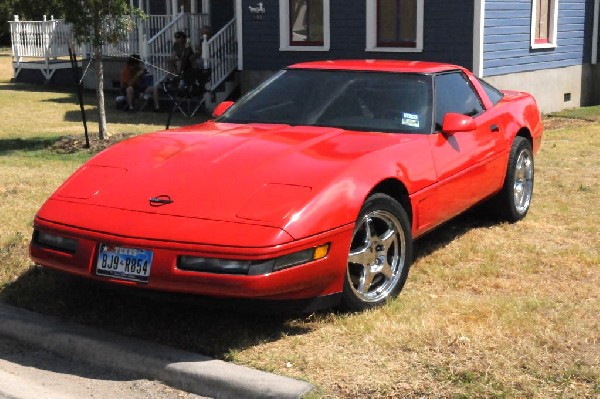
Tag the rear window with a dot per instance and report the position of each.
(493, 94)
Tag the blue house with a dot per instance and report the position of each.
(546, 47)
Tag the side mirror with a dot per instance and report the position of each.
(457, 123)
(221, 108)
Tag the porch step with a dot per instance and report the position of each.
(227, 90)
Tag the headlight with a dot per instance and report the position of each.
(54, 241)
(213, 265)
(252, 268)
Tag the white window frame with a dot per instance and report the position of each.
(372, 30)
(552, 29)
(284, 29)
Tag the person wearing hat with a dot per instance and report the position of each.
(179, 60)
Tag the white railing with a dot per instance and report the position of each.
(154, 23)
(220, 54)
(50, 39)
(40, 39)
(159, 47)
(129, 45)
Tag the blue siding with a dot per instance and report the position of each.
(507, 38)
(444, 39)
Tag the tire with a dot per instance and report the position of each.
(515, 198)
(380, 254)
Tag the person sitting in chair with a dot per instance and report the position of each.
(132, 83)
(181, 53)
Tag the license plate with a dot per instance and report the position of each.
(124, 263)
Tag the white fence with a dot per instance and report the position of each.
(153, 40)
(40, 39)
(153, 37)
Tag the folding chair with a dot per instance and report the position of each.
(187, 92)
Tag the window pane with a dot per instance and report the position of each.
(493, 94)
(306, 22)
(542, 26)
(454, 94)
(396, 23)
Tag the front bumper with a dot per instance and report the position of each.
(318, 278)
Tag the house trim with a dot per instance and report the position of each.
(372, 30)
(552, 28)
(284, 29)
(478, 32)
(595, 32)
(240, 34)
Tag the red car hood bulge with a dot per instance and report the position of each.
(245, 173)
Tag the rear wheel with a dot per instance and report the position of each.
(515, 198)
(380, 254)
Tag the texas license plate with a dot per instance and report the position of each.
(124, 263)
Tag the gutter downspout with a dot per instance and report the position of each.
(595, 33)
(240, 36)
(478, 29)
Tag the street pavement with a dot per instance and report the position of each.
(130, 359)
(27, 372)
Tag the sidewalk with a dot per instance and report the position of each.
(187, 371)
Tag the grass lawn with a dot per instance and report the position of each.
(489, 310)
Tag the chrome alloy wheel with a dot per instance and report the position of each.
(523, 181)
(377, 256)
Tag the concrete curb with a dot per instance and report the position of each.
(187, 371)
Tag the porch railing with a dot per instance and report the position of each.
(158, 47)
(220, 54)
(153, 40)
(40, 39)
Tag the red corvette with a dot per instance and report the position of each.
(312, 187)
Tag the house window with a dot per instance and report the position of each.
(395, 25)
(304, 25)
(544, 19)
(306, 22)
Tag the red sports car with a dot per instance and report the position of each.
(311, 188)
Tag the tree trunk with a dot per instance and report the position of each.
(99, 66)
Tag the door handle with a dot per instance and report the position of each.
(494, 128)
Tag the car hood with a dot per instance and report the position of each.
(253, 173)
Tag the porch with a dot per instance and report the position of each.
(44, 46)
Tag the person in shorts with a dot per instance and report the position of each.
(134, 83)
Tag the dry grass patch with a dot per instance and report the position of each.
(489, 310)
(39, 123)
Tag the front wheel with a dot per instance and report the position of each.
(380, 254)
(515, 198)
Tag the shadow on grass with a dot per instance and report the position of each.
(114, 116)
(482, 215)
(37, 88)
(146, 117)
(213, 327)
(29, 144)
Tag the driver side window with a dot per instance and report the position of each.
(453, 93)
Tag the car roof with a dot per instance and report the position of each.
(378, 66)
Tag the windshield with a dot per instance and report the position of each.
(352, 100)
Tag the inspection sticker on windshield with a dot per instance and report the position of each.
(411, 120)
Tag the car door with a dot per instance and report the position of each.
(462, 160)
